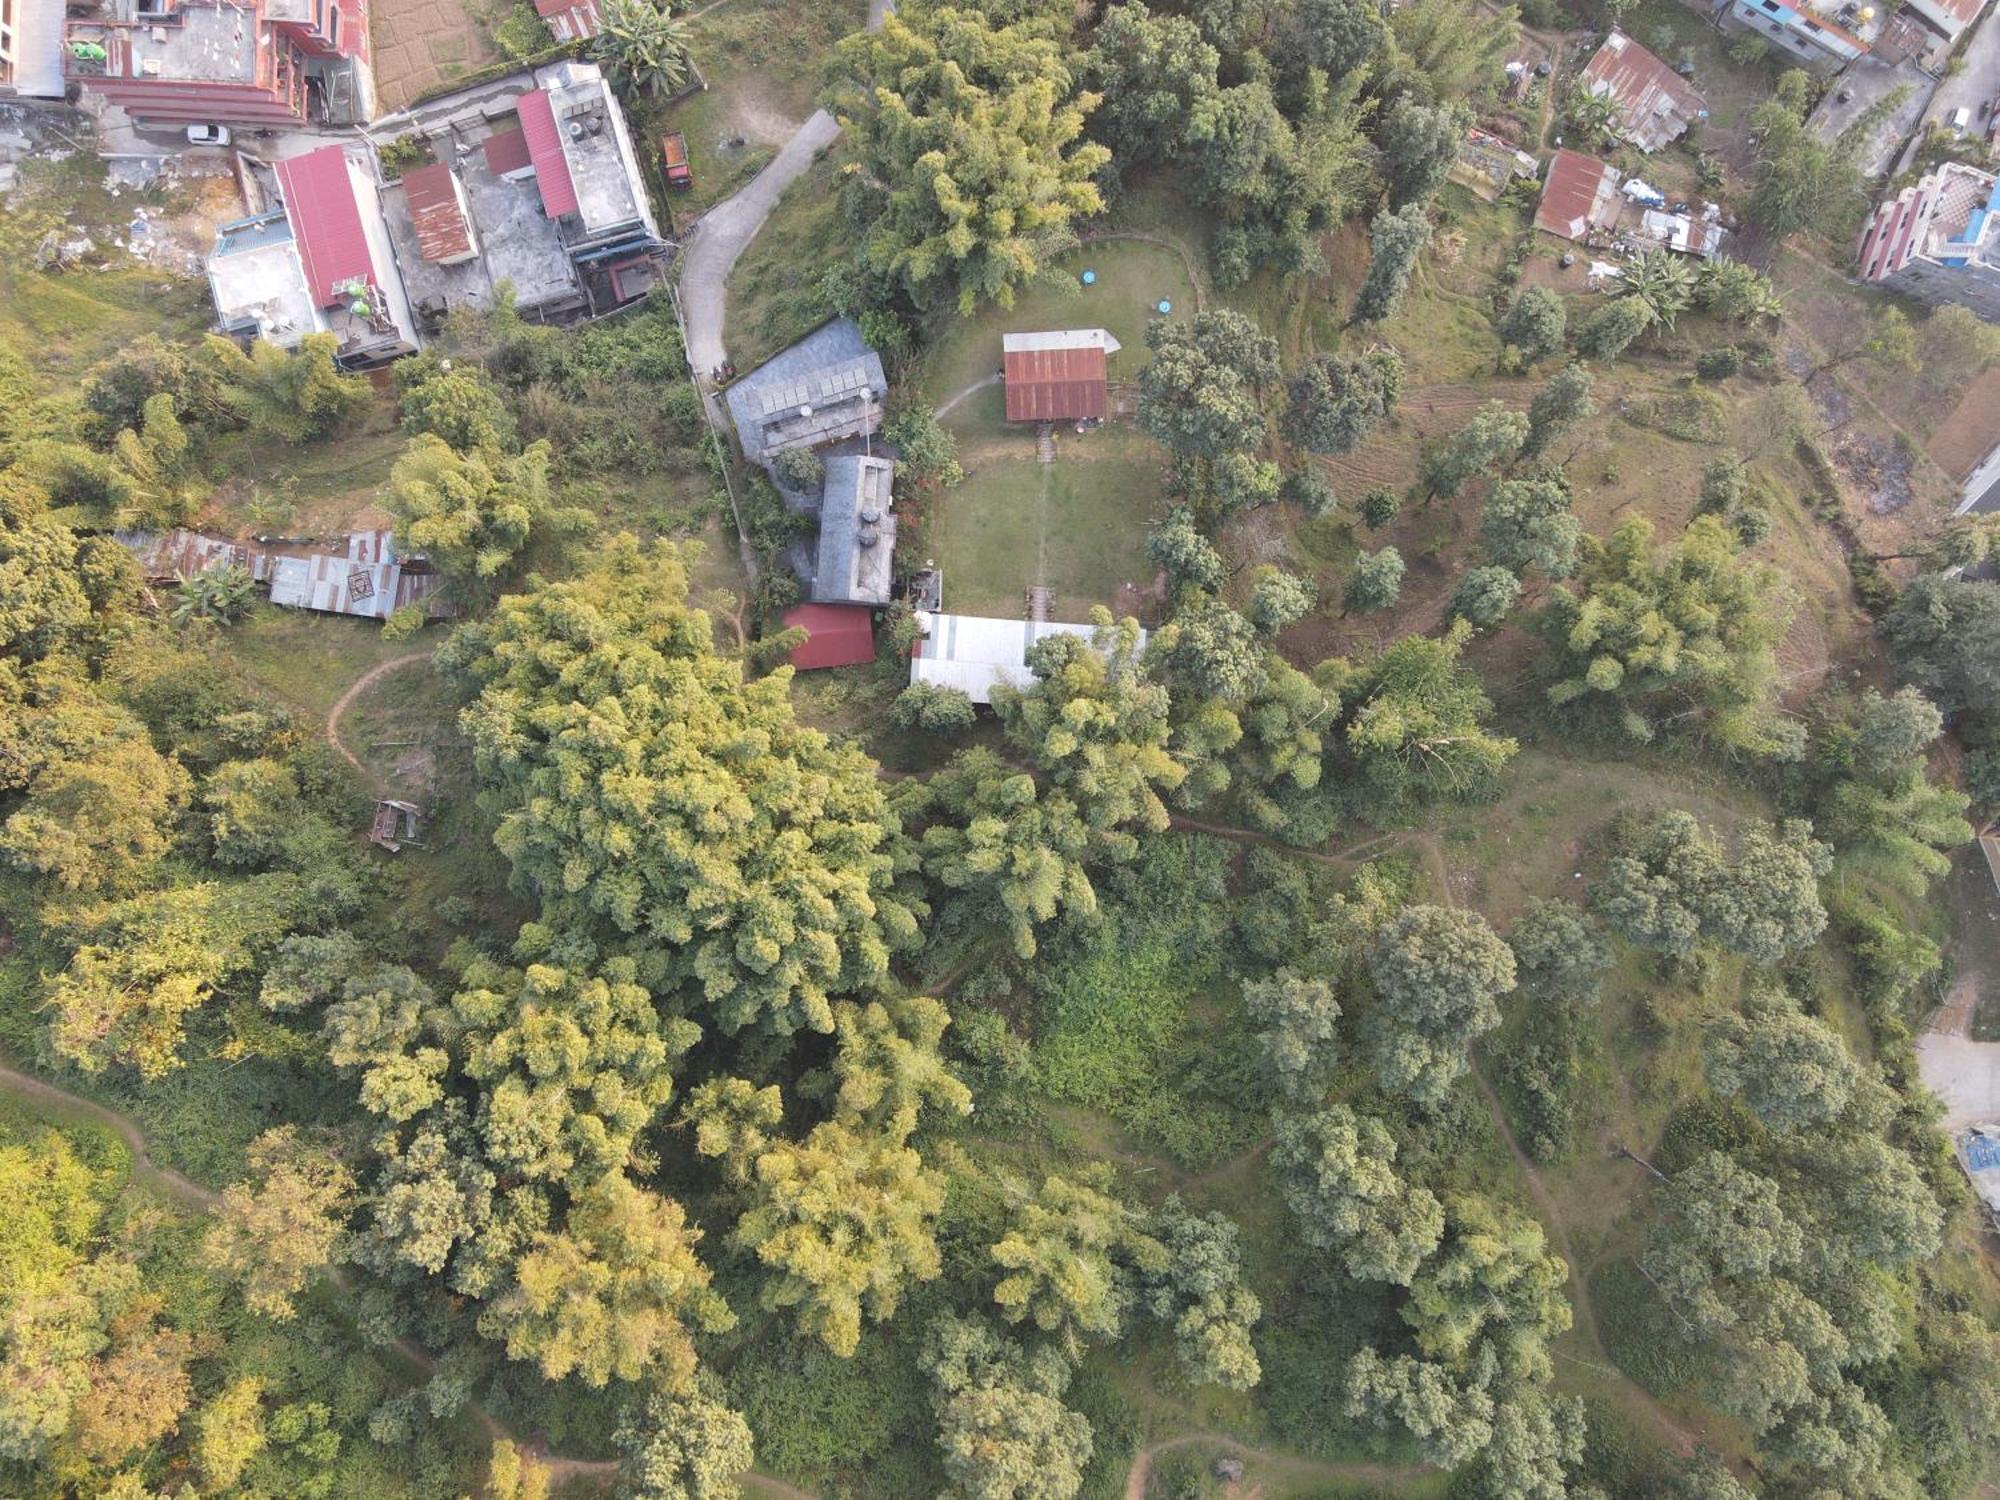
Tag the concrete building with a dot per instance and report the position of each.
(1939, 240)
(1655, 104)
(1579, 196)
(31, 49)
(857, 532)
(827, 388)
(1058, 376)
(1946, 17)
(319, 263)
(230, 62)
(1826, 35)
(976, 653)
(533, 182)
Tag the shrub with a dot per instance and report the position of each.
(799, 469)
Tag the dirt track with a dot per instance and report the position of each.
(346, 701)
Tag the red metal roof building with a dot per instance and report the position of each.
(1655, 104)
(235, 62)
(437, 205)
(1579, 194)
(1059, 376)
(544, 137)
(318, 189)
(507, 153)
(837, 635)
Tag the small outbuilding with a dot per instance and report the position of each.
(837, 635)
(395, 824)
(1579, 196)
(1062, 375)
(857, 531)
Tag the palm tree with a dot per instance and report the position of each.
(1663, 281)
(644, 48)
(217, 596)
(1592, 115)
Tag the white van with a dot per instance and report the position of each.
(1959, 119)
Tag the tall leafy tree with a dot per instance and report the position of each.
(472, 512)
(1415, 721)
(1672, 885)
(1562, 402)
(1396, 237)
(1297, 1019)
(1789, 1069)
(1071, 1256)
(1528, 523)
(967, 138)
(642, 784)
(1335, 402)
(1492, 436)
(284, 1224)
(1419, 147)
(1203, 392)
(1374, 583)
(684, 1445)
(1533, 327)
(1336, 1172)
(1003, 1431)
(1439, 973)
(1156, 75)
(1200, 1292)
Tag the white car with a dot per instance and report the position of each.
(208, 135)
(1960, 118)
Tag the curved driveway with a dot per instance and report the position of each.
(726, 229)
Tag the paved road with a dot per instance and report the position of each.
(727, 229)
(1977, 81)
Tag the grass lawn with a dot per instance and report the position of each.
(1132, 278)
(306, 661)
(774, 294)
(1077, 526)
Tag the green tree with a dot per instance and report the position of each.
(1156, 75)
(1396, 238)
(1438, 974)
(1278, 599)
(1420, 147)
(472, 512)
(1693, 622)
(97, 823)
(966, 140)
(285, 397)
(1373, 583)
(1335, 402)
(1485, 596)
(1740, 293)
(1527, 523)
(458, 402)
(1671, 886)
(1562, 402)
(1721, 1226)
(229, 1433)
(1534, 325)
(1451, 1419)
(1803, 181)
(888, 1065)
(1308, 488)
(1559, 953)
(843, 1221)
(251, 806)
(1214, 651)
(682, 1446)
(933, 708)
(738, 849)
(1072, 1256)
(1492, 1286)
(1296, 1019)
(1944, 635)
(1416, 722)
(1450, 51)
(1203, 392)
(1492, 436)
(280, 1227)
(1188, 558)
(1609, 331)
(1003, 1431)
(617, 1293)
(1537, 1444)
(1336, 1172)
(1789, 1069)
(1662, 281)
(1200, 1293)
(642, 47)
(1379, 507)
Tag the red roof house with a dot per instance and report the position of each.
(1579, 194)
(437, 207)
(1059, 376)
(545, 149)
(837, 635)
(320, 202)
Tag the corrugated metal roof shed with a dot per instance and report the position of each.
(837, 635)
(1655, 103)
(326, 221)
(545, 148)
(1064, 383)
(443, 235)
(181, 553)
(1577, 196)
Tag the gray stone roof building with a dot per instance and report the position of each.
(826, 388)
(857, 532)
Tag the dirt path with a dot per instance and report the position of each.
(346, 701)
(164, 1180)
(1285, 1464)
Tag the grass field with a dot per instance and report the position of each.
(1133, 277)
(1075, 526)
